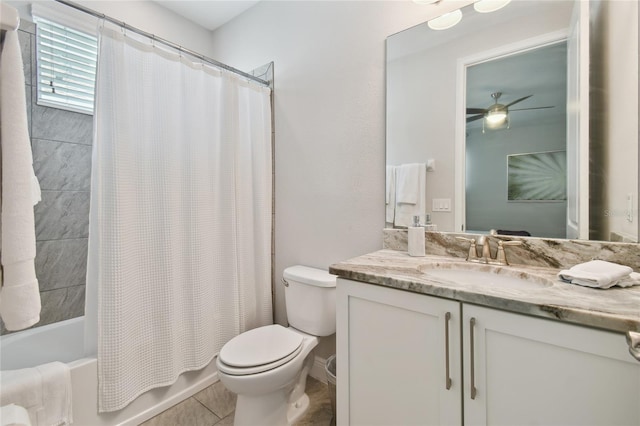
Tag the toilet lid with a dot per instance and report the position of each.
(239, 371)
(260, 346)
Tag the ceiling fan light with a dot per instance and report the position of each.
(487, 6)
(496, 118)
(445, 21)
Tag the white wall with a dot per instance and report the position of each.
(329, 119)
(486, 179)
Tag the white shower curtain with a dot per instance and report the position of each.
(180, 239)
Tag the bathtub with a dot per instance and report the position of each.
(63, 341)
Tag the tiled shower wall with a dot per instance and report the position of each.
(61, 143)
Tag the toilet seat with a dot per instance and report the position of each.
(258, 350)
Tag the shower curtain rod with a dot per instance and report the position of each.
(161, 40)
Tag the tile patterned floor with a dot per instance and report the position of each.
(215, 406)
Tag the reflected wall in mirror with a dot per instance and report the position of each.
(530, 53)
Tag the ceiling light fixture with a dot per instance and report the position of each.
(487, 6)
(445, 21)
(496, 117)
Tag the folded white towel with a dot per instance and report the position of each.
(44, 391)
(390, 194)
(19, 297)
(596, 273)
(408, 183)
(406, 211)
(631, 280)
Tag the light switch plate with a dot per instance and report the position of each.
(441, 205)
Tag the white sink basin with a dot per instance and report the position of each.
(485, 276)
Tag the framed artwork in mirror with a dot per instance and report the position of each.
(538, 176)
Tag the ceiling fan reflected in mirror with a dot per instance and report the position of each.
(497, 115)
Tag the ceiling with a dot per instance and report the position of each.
(209, 14)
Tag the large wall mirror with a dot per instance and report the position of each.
(523, 120)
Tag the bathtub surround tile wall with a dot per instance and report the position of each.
(58, 124)
(61, 263)
(61, 165)
(545, 252)
(62, 215)
(61, 304)
(61, 144)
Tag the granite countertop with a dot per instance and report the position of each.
(616, 309)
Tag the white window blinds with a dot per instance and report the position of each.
(66, 66)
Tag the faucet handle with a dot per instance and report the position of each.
(501, 256)
(470, 240)
(510, 243)
(473, 252)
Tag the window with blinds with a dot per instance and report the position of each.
(66, 67)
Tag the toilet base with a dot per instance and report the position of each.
(297, 409)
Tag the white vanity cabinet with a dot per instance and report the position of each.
(392, 357)
(393, 365)
(536, 371)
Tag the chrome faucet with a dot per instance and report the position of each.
(483, 240)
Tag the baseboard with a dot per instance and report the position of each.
(317, 370)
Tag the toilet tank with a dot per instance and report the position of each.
(310, 297)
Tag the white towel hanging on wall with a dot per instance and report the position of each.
(411, 183)
(390, 194)
(20, 294)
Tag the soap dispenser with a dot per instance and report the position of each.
(416, 238)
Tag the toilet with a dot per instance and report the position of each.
(267, 367)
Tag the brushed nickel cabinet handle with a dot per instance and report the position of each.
(472, 323)
(447, 317)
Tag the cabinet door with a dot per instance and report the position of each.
(533, 371)
(392, 357)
